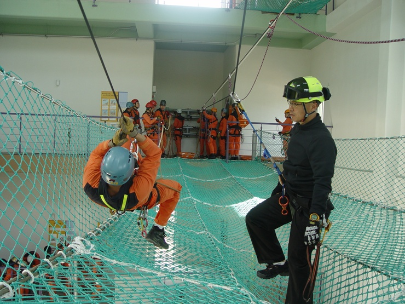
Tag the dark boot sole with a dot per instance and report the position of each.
(157, 244)
(263, 276)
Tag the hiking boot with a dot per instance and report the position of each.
(272, 271)
(157, 237)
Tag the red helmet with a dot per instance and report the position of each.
(149, 104)
(153, 102)
(134, 101)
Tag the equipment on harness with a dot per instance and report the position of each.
(117, 166)
(143, 220)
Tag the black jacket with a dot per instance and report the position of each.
(309, 167)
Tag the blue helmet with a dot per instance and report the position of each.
(129, 104)
(117, 166)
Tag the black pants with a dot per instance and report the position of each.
(261, 223)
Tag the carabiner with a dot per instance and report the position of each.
(284, 210)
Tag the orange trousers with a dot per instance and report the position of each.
(234, 144)
(202, 144)
(212, 144)
(168, 200)
(222, 146)
(177, 140)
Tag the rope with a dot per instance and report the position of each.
(345, 41)
(272, 22)
(240, 45)
(99, 55)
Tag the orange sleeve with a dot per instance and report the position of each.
(222, 127)
(92, 171)
(209, 117)
(148, 119)
(145, 178)
(125, 114)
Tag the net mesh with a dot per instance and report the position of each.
(45, 146)
(276, 6)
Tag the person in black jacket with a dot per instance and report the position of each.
(305, 185)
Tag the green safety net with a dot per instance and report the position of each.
(103, 258)
(276, 6)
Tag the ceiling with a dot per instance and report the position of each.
(171, 27)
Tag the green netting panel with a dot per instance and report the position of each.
(45, 146)
(276, 6)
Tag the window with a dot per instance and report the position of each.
(198, 3)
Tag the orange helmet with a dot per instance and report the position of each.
(287, 111)
(214, 110)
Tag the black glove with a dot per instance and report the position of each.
(313, 230)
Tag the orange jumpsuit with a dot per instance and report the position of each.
(211, 133)
(287, 125)
(151, 127)
(222, 134)
(234, 135)
(285, 133)
(178, 131)
(164, 117)
(203, 133)
(134, 114)
(140, 190)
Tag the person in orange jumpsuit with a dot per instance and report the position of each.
(133, 112)
(222, 133)
(164, 119)
(203, 134)
(285, 132)
(178, 130)
(109, 179)
(235, 133)
(211, 132)
(151, 123)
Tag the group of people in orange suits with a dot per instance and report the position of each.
(228, 127)
(157, 123)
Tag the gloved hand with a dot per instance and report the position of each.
(128, 126)
(313, 230)
(278, 120)
(118, 139)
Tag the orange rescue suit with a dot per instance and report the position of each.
(234, 134)
(287, 125)
(141, 189)
(222, 136)
(178, 131)
(151, 127)
(211, 132)
(164, 117)
(134, 114)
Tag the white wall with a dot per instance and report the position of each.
(74, 61)
(187, 79)
(366, 80)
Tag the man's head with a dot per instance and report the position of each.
(287, 113)
(304, 95)
(117, 166)
(135, 102)
(178, 112)
(129, 105)
(163, 105)
(224, 112)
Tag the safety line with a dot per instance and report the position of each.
(271, 24)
